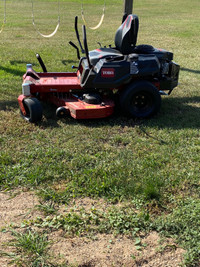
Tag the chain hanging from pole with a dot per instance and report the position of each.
(4, 20)
(54, 32)
(101, 20)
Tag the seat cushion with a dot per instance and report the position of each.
(126, 35)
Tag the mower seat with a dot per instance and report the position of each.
(125, 41)
(126, 35)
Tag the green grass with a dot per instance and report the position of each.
(183, 225)
(152, 162)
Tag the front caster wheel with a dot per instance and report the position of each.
(61, 112)
(33, 110)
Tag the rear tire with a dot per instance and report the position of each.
(33, 110)
(140, 100)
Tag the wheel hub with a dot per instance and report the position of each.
(142, 101)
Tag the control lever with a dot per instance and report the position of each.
(86, 46)
(77, 50)
(41, 62)
(77, 35)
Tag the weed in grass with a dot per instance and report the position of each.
(31, 249)
(52, 195)
(5, 159)
(81, 222)
(152, 189)
(47, 207)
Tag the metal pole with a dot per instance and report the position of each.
(128, 7)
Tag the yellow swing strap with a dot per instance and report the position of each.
(101, 20)
(4, 20)
(54, 32)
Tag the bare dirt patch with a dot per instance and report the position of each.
(14, 208)
(107, 250)
(100, 250)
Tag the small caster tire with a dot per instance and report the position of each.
(61, 112)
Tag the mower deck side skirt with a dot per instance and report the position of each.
(79, 110)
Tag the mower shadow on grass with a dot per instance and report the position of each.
(12, 71)
(68, 61)
(190, 70)
(16, 62)
(16, 72)
(183, 113)
(8, 105)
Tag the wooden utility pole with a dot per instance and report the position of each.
(128, 7)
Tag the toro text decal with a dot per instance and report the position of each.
(107, 72)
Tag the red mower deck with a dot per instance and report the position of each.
(60, 87)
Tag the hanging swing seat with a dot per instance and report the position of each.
(101, 19)
(57, 26)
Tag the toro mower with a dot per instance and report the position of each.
(133, 76)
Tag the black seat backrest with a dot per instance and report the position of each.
(126, 35)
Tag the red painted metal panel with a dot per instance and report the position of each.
(82, 110)
(20, 101)
(53, 82)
